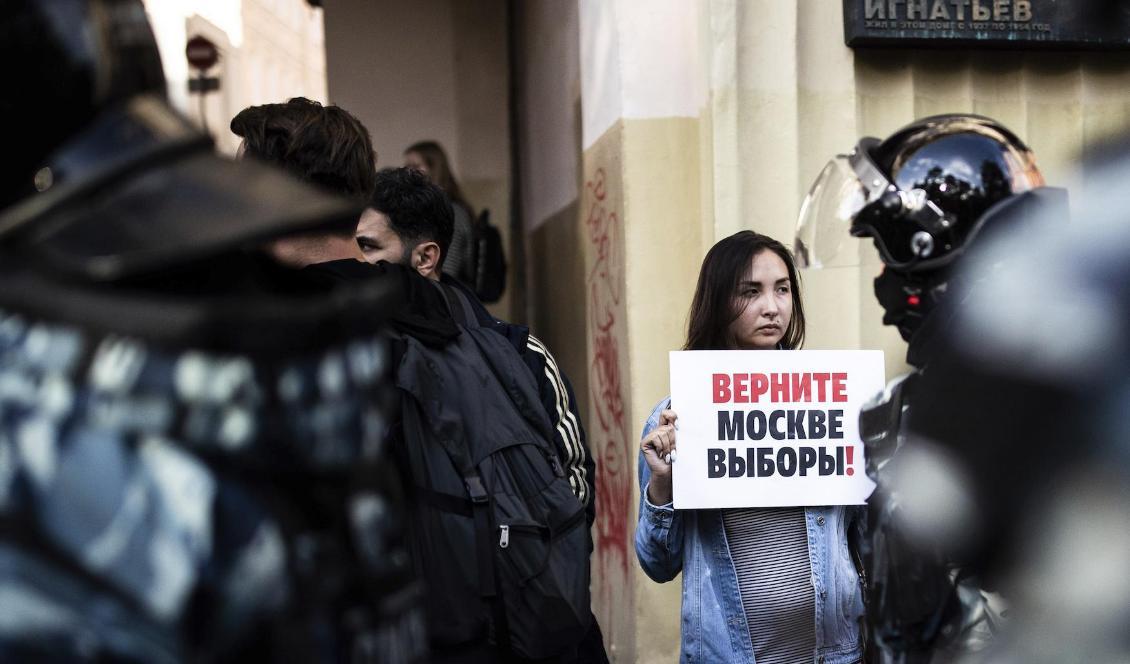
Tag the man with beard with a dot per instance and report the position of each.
(409, 222)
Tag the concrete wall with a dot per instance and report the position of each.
(547, 68)
(393, 65)
(430, 69)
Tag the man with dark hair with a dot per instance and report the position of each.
(410, 222)
(328, 147)
(323, 145)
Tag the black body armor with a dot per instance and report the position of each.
(192, 462)
(922, 607)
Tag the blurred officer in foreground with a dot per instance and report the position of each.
(925, 195)
(190, 455)
(1038, 367)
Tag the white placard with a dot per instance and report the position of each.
(771, 428)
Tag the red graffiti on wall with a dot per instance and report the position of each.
(610, 439)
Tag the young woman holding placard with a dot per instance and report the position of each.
(771, 585)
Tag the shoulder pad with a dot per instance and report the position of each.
(880, 419)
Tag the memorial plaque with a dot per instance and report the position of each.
(1015, 24)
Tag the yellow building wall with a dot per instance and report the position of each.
(665, 182)
(609, 424)
(636, 312)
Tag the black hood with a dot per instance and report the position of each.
(421, 310)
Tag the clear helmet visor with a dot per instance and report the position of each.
(822, 236)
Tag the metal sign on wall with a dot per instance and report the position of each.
(1022, 24)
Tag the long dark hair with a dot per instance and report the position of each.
(714, 306)
(439, 170)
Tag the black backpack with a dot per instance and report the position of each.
(490, 260)
(498, 536)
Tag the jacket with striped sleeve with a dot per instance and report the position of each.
(557, 398)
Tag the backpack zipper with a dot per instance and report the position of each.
(504, 530)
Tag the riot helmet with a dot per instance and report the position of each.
(66, 61)
(921, 195)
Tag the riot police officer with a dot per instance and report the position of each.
(1037, 368)
(190, 451)
(926, 196)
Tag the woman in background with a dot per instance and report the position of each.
(429, 157)
(771, 585)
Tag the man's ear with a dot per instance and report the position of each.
(425, 258)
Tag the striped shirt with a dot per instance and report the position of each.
(769, 547)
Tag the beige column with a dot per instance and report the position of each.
(645, 215)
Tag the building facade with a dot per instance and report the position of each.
(270, 51)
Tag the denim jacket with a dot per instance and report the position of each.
(714, 627)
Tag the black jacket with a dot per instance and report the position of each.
(423, 314)
(557, 398)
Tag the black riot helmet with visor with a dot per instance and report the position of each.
(921, 194)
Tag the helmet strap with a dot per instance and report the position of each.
(909, 297)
